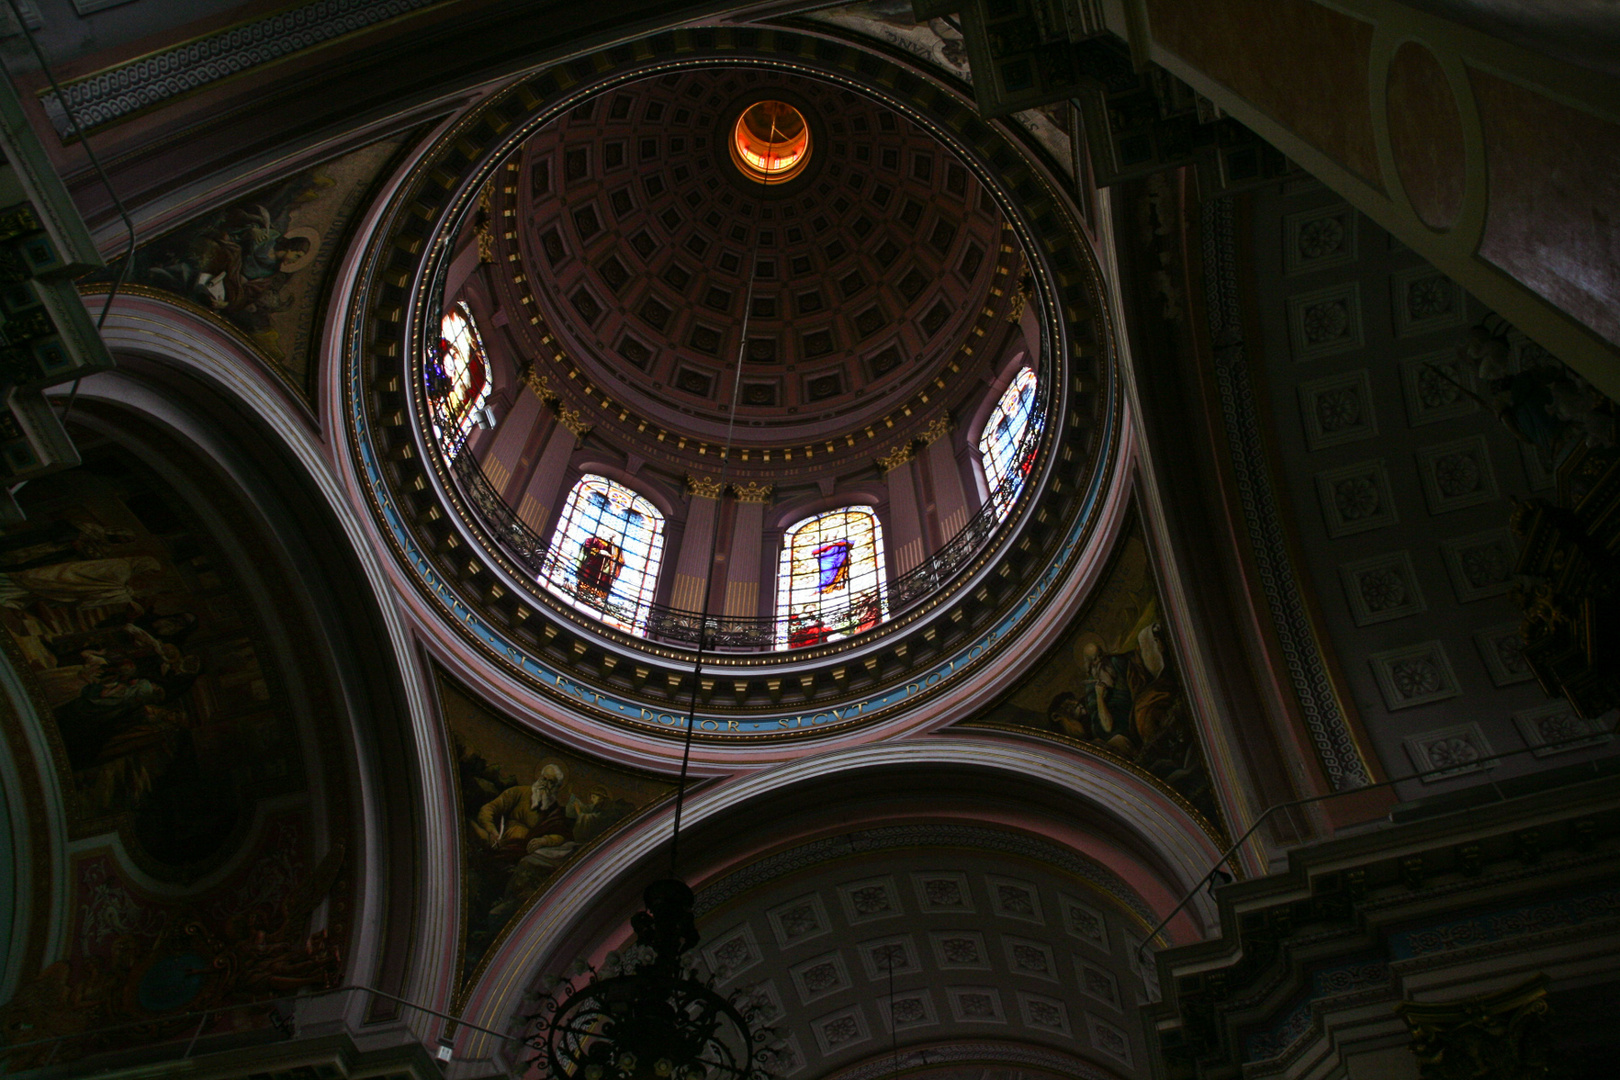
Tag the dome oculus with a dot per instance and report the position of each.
(770, 143)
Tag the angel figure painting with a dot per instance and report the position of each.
(1111, 684)
(528, 809)
(259, 263)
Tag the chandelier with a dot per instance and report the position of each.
(647, 1013)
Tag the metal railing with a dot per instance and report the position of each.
(781, 632)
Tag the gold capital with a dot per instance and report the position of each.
(895, 458)
(573, 420)
(752, 492)
(937, 430)
(703, 487)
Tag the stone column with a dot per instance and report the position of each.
(692, 563)
(905, 535)
(951, 508)
(747, 537)
(499, 460)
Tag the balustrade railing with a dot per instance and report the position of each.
(731, 633)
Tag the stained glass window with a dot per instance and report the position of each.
(457, 378)
(1001, 448)
(605, 554)
(831, 581)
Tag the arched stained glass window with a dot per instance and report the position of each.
(457, 378)
(1006, 454)
(605, 554)
(831, 582)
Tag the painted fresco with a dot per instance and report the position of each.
(152, 961)
(143, 657)
(261, 264)
(197, 879)
(1112, 684)
(528, 809)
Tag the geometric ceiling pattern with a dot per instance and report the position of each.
(639, 237)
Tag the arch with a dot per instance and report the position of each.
(830, 580)
(457, 377)
(1002, 443)
(606, 552)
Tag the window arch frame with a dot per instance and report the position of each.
(861, 603)
(1004, 475)
(453, 420)
(562, 569)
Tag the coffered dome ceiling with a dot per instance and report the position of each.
(876, 271)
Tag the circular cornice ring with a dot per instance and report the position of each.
(939, 644)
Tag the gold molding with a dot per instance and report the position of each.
(703, 487)
(752, 492)
(896, 457)
(937, 429)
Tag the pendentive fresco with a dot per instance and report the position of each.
(261, 263)
(1112, 683)
(528, 808)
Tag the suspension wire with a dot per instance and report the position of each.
(714, 546)
(77, 132)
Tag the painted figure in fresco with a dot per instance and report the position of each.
(90, 583)
(58, 541)
(524, 822)
(599, 564)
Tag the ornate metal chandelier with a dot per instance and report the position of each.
(646, 1015)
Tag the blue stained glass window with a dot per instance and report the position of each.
(605, 554)
(831, 582)
(1002, 448)
(457, 378)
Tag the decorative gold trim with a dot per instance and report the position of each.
(703, 487)
(937, 429)
(752, 492)
(896, 458)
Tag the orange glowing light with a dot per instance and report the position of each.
(771, 142)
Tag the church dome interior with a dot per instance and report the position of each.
(808, 541)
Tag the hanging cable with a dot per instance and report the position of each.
(714, 544)
(77, 132)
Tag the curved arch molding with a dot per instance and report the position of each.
(1078, 474)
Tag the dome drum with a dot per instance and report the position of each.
(461, 538)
